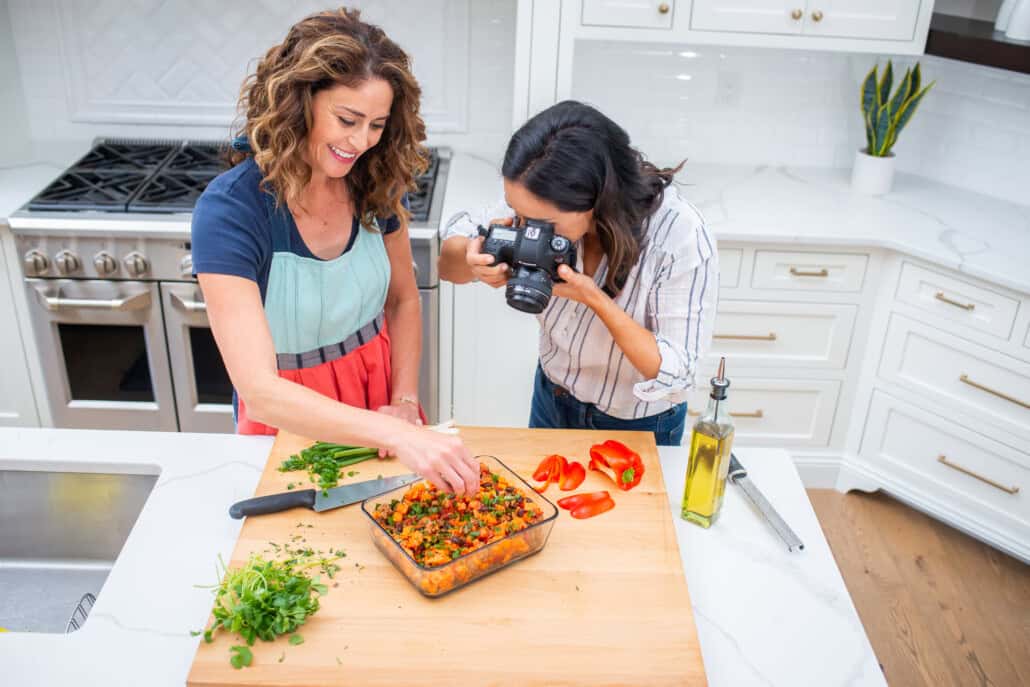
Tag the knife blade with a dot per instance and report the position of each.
(320, 500)
(738, 475)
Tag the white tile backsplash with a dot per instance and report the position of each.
(154, 68)
(14, 124)
(762, 106)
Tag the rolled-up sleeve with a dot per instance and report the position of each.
(681, 312)
(467, 222)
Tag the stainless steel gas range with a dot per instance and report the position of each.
(120, 322)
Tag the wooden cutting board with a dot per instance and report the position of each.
(604, 603)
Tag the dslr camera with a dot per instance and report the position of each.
(533, 252)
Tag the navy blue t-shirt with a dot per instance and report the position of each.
(233, 223)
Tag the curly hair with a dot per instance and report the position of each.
(322, 51)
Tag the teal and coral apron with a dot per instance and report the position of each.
(327, 320)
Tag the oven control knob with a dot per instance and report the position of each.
(186, 267)
(105, 263)
(36, 263)
(67, 262)
(135, 264)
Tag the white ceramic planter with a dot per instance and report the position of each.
(872, 176)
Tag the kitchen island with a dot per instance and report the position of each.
(764, 616)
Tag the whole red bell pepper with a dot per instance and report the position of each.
(622, 465)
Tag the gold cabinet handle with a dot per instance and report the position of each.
(817, 15)
(663, 8)
(964, 378)
(771, 336)
(797, 14)
(986, 480)
(801, 273)
(965, 306)
(759, 414)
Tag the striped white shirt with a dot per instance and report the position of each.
(672, 291)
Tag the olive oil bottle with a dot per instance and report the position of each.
(709, 460)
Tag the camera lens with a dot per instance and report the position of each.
(529, 290)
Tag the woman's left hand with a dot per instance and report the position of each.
(577, 287)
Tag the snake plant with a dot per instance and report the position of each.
(886, 115)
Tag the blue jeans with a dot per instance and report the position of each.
(555, 408)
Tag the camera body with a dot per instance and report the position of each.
(534, 253)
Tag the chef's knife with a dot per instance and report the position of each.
(320, 500)
(738, 475)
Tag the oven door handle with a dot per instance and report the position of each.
(188, 305)
(136, 301)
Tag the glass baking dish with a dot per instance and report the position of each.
(439, 580)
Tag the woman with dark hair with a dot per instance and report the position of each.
(621, 338)
(302, 251)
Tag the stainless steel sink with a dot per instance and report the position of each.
(60, 533)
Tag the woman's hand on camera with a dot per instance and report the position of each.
(441, 458)
(480, 262)
(577, 287)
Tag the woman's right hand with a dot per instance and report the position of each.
(441, 458)
(480, 263)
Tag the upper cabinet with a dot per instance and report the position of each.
(643, 14)
(886, 26)
(888, 20)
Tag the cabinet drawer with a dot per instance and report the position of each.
(745, 16)
(730, 260)
(956, 300)
(801, 271)
(776, 412)
(982, 478)
(980, 381)
(642, 14)
(784, 334)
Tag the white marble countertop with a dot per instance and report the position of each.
(976, 234)
(764, 616)
(26, 169)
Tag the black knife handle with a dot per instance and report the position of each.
(736, 469)
(273, 503)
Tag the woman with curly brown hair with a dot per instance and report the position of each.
(302, 249)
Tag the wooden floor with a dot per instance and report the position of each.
(940, 608)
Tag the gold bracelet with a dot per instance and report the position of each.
(406, 399)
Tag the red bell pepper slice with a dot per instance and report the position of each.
(589, 510)
(576, 500)
(622, 465)
(550, 471)
(543, 470)
(572, 476)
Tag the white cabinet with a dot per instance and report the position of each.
(775, 412)
(17, 402)
(761, 333)
(977, 381)
(644, 14)
(970, 479)
(750, 16)
(888, 20)
(893, 20)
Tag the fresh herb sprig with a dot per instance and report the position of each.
(264, 599)
(324, 461)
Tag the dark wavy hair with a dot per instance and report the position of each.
(322, 51)
(577, 159)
